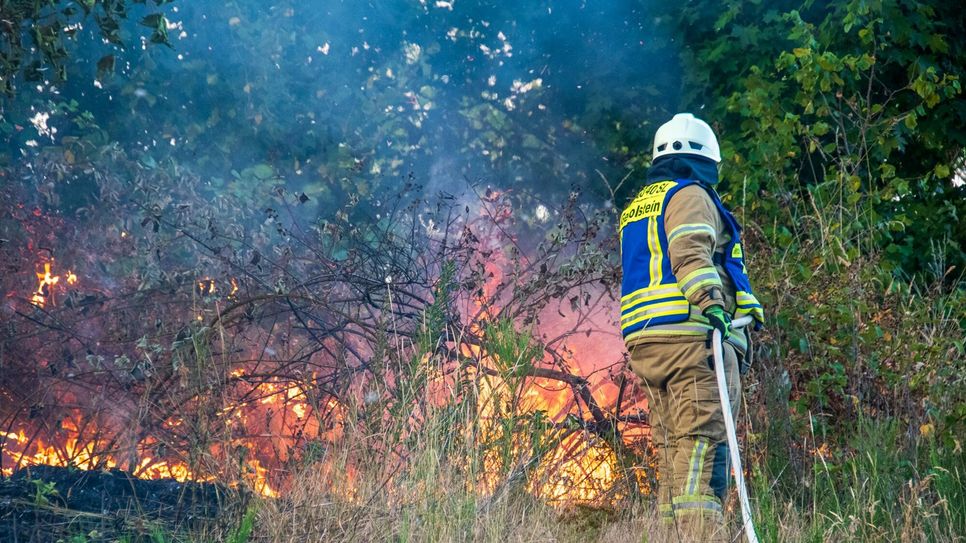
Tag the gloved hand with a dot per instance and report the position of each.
(719, 319)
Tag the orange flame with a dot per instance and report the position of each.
(578, 469)
(47, 280)
(88, 455)
(206, 287)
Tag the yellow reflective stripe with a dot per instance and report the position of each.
(658, 306)
(705, 282)
(755, 312)
(657, 255)
(697, 466)
(667, 512)
(699, 278)
(649, 293)
(738, 341)
(691, 228)
(746, 298)
(647, 316)
(638, 301)
(683, 329)
(635, 293)
(652, 310)
(696, 273)
(695, 503)
(696, 509)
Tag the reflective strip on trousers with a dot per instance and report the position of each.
(696, 466)
(695, 503)
(667, 512)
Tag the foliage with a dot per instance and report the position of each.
(246, 526)
(856, 343)
(841, 143)
(847, 105)
(844, 154)
(44, 491)
(36, 36)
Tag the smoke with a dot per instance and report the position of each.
(332, 95)
(337, 107)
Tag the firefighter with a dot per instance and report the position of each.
(683, 275)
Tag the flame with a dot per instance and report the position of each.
(94, 454)
(282, 406)
(577, 471)
(278, 415)
(47, 280)
(206, 287)
(580, 468)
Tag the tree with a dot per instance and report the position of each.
(36, 35)
(852, 108)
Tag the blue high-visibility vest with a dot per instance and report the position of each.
(653, 300)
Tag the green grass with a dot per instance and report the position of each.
(878, 489)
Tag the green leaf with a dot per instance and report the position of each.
(105, 66)
(531, 142)
(155, 20)
(888, 171)
(263, 171)
(937, 42)
(160, 36)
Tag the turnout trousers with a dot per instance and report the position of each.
(688, 431)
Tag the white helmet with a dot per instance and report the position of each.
(686, 135)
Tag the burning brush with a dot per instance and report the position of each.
(47, 281)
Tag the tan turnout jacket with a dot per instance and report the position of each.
(695, 250)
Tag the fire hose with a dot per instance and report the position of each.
(746, 520)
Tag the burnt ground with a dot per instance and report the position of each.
(44, 504)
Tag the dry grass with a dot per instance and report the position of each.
(430, 498)
(428, 478)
